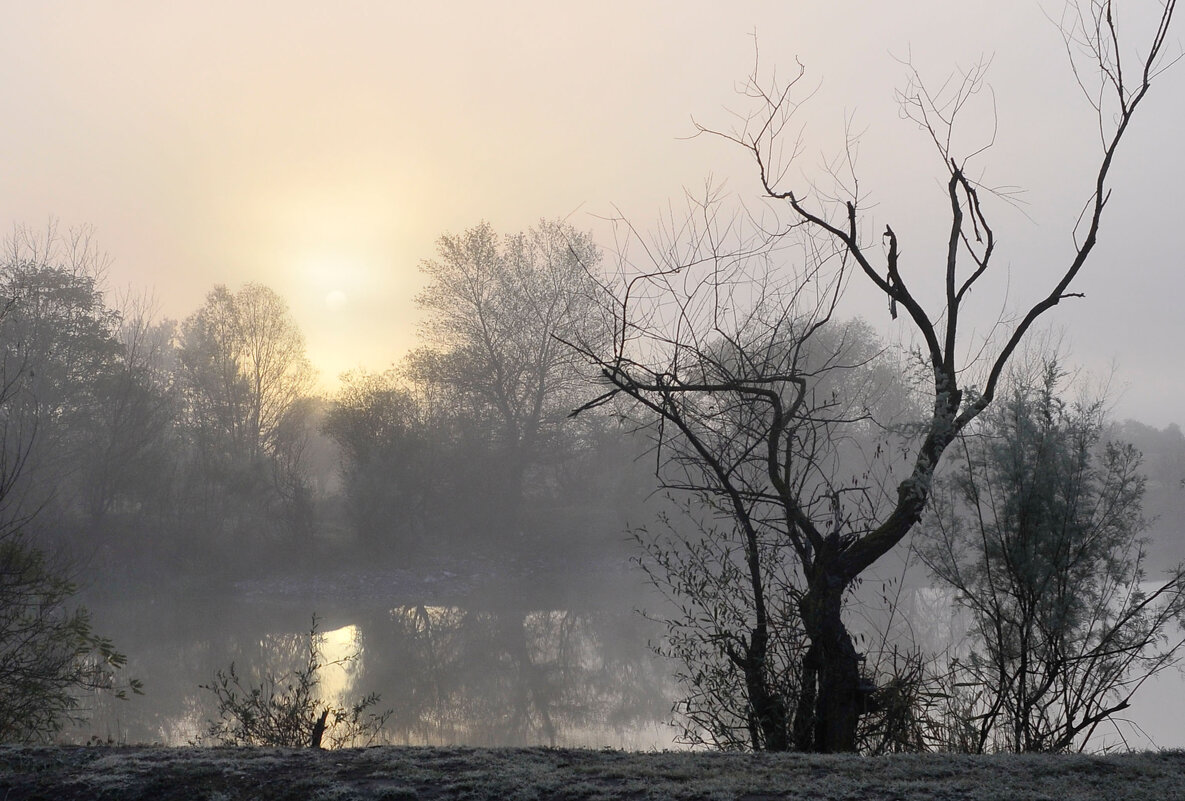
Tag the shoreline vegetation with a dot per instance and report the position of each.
(389, 773)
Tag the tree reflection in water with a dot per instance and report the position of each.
(496, 675)
(513, 677)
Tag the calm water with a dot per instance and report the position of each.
(499, 672)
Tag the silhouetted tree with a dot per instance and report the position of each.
(61, 333)
(98, 390)
(393, 451)
(672, 318)
(135, 437)
(737, 632)
(243, 377)
(244, 364)
(49, 654)
(498, 312)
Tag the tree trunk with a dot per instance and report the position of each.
(830, 704)
(319, 730)
(768, 709)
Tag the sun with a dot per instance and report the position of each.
(333, 278)
(336, 300)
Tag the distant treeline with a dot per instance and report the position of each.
(181, 450)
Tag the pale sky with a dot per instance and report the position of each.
(321, 148)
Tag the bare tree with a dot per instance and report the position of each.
(244, 380)
(497, 313)
(695, 349)
(244, 362)
(735, 582)
(135, 413)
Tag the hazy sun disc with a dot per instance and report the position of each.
(335, 300)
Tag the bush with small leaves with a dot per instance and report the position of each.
(286, 709)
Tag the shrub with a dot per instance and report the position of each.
(285, 708)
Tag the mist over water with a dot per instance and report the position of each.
(495, 671)
(491, 672)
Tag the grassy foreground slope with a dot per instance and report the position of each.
(403, 774)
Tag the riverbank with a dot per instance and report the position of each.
(413, 774)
